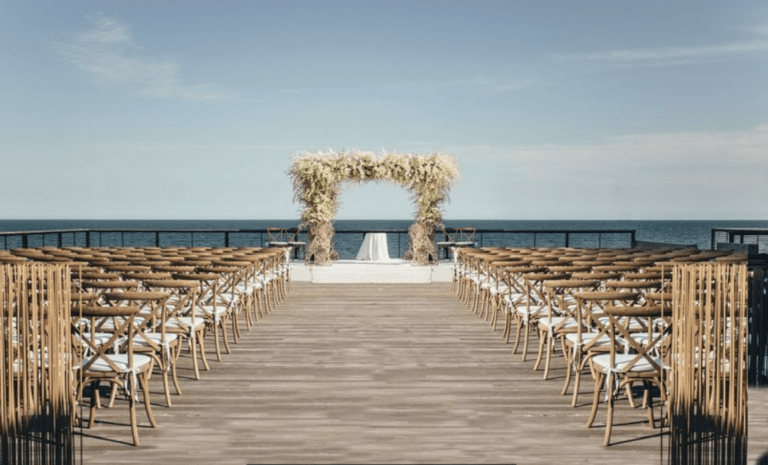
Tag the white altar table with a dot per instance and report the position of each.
(374, 248)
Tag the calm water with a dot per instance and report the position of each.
(673, 232)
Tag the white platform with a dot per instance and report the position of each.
(352, 271)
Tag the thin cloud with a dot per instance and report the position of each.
(711, 150)
(108, 52)
(672, 55)
(489, 83)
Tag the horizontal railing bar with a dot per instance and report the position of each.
(342, 231)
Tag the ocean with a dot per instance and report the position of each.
(694, 232)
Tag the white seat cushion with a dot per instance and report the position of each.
(589, 338)
(157, 338)
(603, 362)
(121, 360)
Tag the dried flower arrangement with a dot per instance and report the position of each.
(317, 179)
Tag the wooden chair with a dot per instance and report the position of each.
(561, 318)
(182, 317)
(448, 242)
(465, 237)
(295, 242)
(617, 369)
(152, 336)
(121, 367)
(277, 237)
(591, 337)
(212, 307)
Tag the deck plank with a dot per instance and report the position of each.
(382, 373)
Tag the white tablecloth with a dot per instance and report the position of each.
(374, 248)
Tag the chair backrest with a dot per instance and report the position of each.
(465, 234)
(618, 323)
(276, 234)
(183, 296)
(95, 346)
(153, 307)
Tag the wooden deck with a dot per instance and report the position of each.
(384, 373)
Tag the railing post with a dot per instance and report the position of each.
(157, 238)
(226, 239)
(567, 239)
(122, 238)
(59, 239)
(87, 239)
(24, 241)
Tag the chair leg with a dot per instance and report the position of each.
(235, 326)
(578, 364)
(550, 350)
(599, 380)
(630, 396)
(529, 328)
(174, 375)
(147, 402)
(201, 346)
(223, 323)
(569, 367)
(216, 339)
(95, 402)
(520, 324)
(166, 385)
(543, 338)
(134, 428)
(193, 350)
(507, 325)
(609, 421)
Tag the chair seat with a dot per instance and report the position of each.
(157, 338)
(501, 288)
(589, 338)
(603, 362)
(108, 326)
(555, 321)
(643, 339)
(210, 310)
(121, 361)
(634, 325)
(174, 324)
(535, 309)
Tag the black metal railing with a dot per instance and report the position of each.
(347, 241)
(751, 240)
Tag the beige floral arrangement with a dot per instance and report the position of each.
(317, 179)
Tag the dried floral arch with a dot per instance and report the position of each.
(318, 177)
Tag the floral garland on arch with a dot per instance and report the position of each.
(317, 179)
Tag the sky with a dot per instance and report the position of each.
(553, 109)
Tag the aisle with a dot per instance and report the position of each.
(371, 373)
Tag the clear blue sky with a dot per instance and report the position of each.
(562, 109)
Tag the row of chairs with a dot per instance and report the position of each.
(134, 308)
(607, 310)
